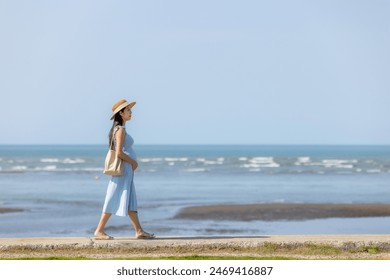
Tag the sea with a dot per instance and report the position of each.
(62, 188)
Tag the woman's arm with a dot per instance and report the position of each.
(120, 138)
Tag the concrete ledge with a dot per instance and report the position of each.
(127, 247)
(185, 240)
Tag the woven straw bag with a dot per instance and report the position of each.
(113, 165)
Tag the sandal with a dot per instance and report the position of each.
(103, 236)
(145, 235)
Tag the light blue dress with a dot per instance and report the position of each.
(121, 196)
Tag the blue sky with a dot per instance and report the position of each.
(202, 72)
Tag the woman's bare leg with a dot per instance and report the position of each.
(135, 221)
(139, 232)
(102, 223)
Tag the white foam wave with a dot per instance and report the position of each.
(49, 168)
(219, 160)
(95, 169)
(46, 168)
(302, 161)
(264, 162)
(242, 158)
(73, 161)
(211, 162)
(261, 159)
(374, 171)
(19, 168)
(176, 159)
(150, 159)
(338, 163)
(66, 160)
(331, 163)
(196, 170)
(49, 160)
(251, 165)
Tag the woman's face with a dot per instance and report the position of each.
(126, 114)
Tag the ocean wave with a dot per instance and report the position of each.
(219, 164)
(49, 168)
(73, 161)
(302, 161)
(146, 160)
(262, 162)
(196, 169)
(219, 161)
(261, 159)
(339, 163)
(250, 165)
(330, 163)
(150, 170)
(49, 160)
(212, 162)
(175, 159)
(46, 168)
(65, 161)
(19, 168)
(374, 171)
(327, 163)
(254, 170)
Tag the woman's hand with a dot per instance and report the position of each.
(134, 165)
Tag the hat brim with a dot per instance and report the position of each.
(124, 105)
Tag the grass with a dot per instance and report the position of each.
(194, 257)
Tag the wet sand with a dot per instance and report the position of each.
(10, 210)
(289, 212)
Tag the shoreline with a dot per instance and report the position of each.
(282, 211)
(272, 211)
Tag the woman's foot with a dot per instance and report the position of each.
(145, 235)
(102, 236)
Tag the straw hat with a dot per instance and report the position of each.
(120, 105)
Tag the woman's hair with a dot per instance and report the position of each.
(117, 121)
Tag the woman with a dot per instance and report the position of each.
(121, 198)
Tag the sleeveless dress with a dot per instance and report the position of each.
(121, 196)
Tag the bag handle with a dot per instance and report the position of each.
(113, 135)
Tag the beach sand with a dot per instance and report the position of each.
(10, 210)
(281, 211)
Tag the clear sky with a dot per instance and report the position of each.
(201, 71)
